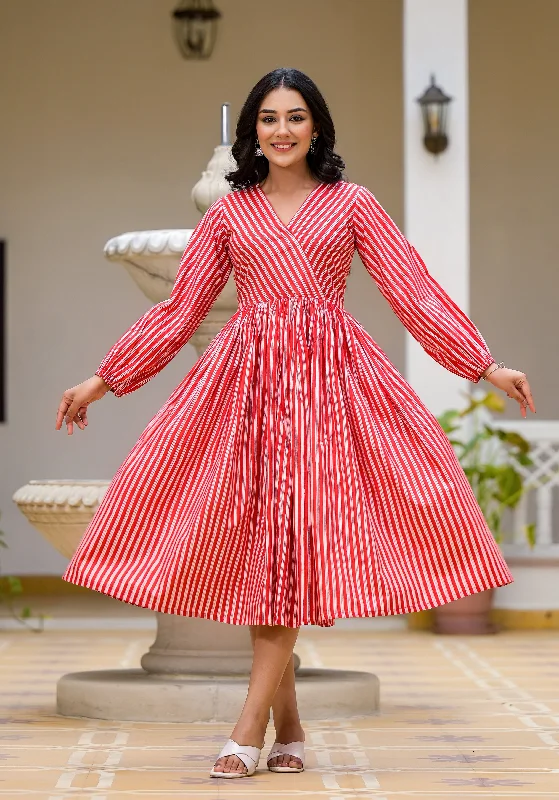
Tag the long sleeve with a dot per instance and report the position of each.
(156, 338)
(444, 331)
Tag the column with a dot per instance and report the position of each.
(437, 187)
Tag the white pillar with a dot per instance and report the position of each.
(437, 187)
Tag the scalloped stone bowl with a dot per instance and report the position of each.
(61, 509)
(151, 258)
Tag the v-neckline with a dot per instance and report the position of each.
(296, 214)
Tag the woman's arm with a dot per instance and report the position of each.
(444, 331)
(156, 338)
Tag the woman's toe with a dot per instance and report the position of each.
(286, 760)
(236, 765)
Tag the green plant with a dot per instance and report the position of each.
(490, 457)
(10, 588)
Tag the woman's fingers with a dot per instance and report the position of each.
(524, 388)
(71, 412)
(516, 394)
(78, 419)
(73, 406)
(73, 416)
(520, 391)
(62, 409)
(69, 420)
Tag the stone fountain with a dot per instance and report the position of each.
(196, 669)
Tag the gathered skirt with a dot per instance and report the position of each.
(293, 477)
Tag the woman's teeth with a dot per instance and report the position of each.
(283, 146)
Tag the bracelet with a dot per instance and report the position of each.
(500, 365)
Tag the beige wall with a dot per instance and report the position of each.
(514, 69)
(105, 129)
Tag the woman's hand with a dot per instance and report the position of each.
(515, 384)
(73, 406)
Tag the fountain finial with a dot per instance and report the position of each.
(225, 124)
(212, 184)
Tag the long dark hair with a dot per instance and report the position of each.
(324, 163)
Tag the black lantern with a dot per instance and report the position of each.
(434, 103)
(195, 26)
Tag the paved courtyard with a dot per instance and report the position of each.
(460, 718)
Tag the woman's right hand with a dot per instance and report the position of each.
(74, 403)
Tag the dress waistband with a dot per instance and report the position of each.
(289, 301)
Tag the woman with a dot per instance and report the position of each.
(294, 476)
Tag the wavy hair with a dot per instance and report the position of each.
(324, 163)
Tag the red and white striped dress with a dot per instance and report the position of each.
(294, 476)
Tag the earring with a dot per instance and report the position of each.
(313, 142)
(258, 151)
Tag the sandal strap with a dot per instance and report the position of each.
(295, 749)
(245, 752)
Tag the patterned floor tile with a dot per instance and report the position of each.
(461, 717)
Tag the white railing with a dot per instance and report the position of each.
(541, 505)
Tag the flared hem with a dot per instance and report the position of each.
(252, 619)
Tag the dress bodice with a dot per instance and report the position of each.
(309, 257)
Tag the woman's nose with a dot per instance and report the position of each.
(283, 127)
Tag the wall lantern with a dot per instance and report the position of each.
(434, 103)
(195, 27)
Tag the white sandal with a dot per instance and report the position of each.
(295, 749)
(246, 753)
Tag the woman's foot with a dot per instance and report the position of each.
(285, 734)
(252, 735)
(273, 652)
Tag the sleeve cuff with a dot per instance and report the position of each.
(100, 374)
(488, 363)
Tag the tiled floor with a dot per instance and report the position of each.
(460, 718)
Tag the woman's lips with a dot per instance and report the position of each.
(283, 148)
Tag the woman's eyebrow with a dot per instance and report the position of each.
(272, 111)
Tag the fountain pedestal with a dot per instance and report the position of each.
(128, 694)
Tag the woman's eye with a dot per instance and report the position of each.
(295, 118)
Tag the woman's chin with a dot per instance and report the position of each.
(287, 160)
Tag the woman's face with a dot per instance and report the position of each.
(284, 127)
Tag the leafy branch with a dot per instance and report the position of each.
(10, 588)
(491, 458)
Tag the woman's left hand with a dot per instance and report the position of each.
(516, 386)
